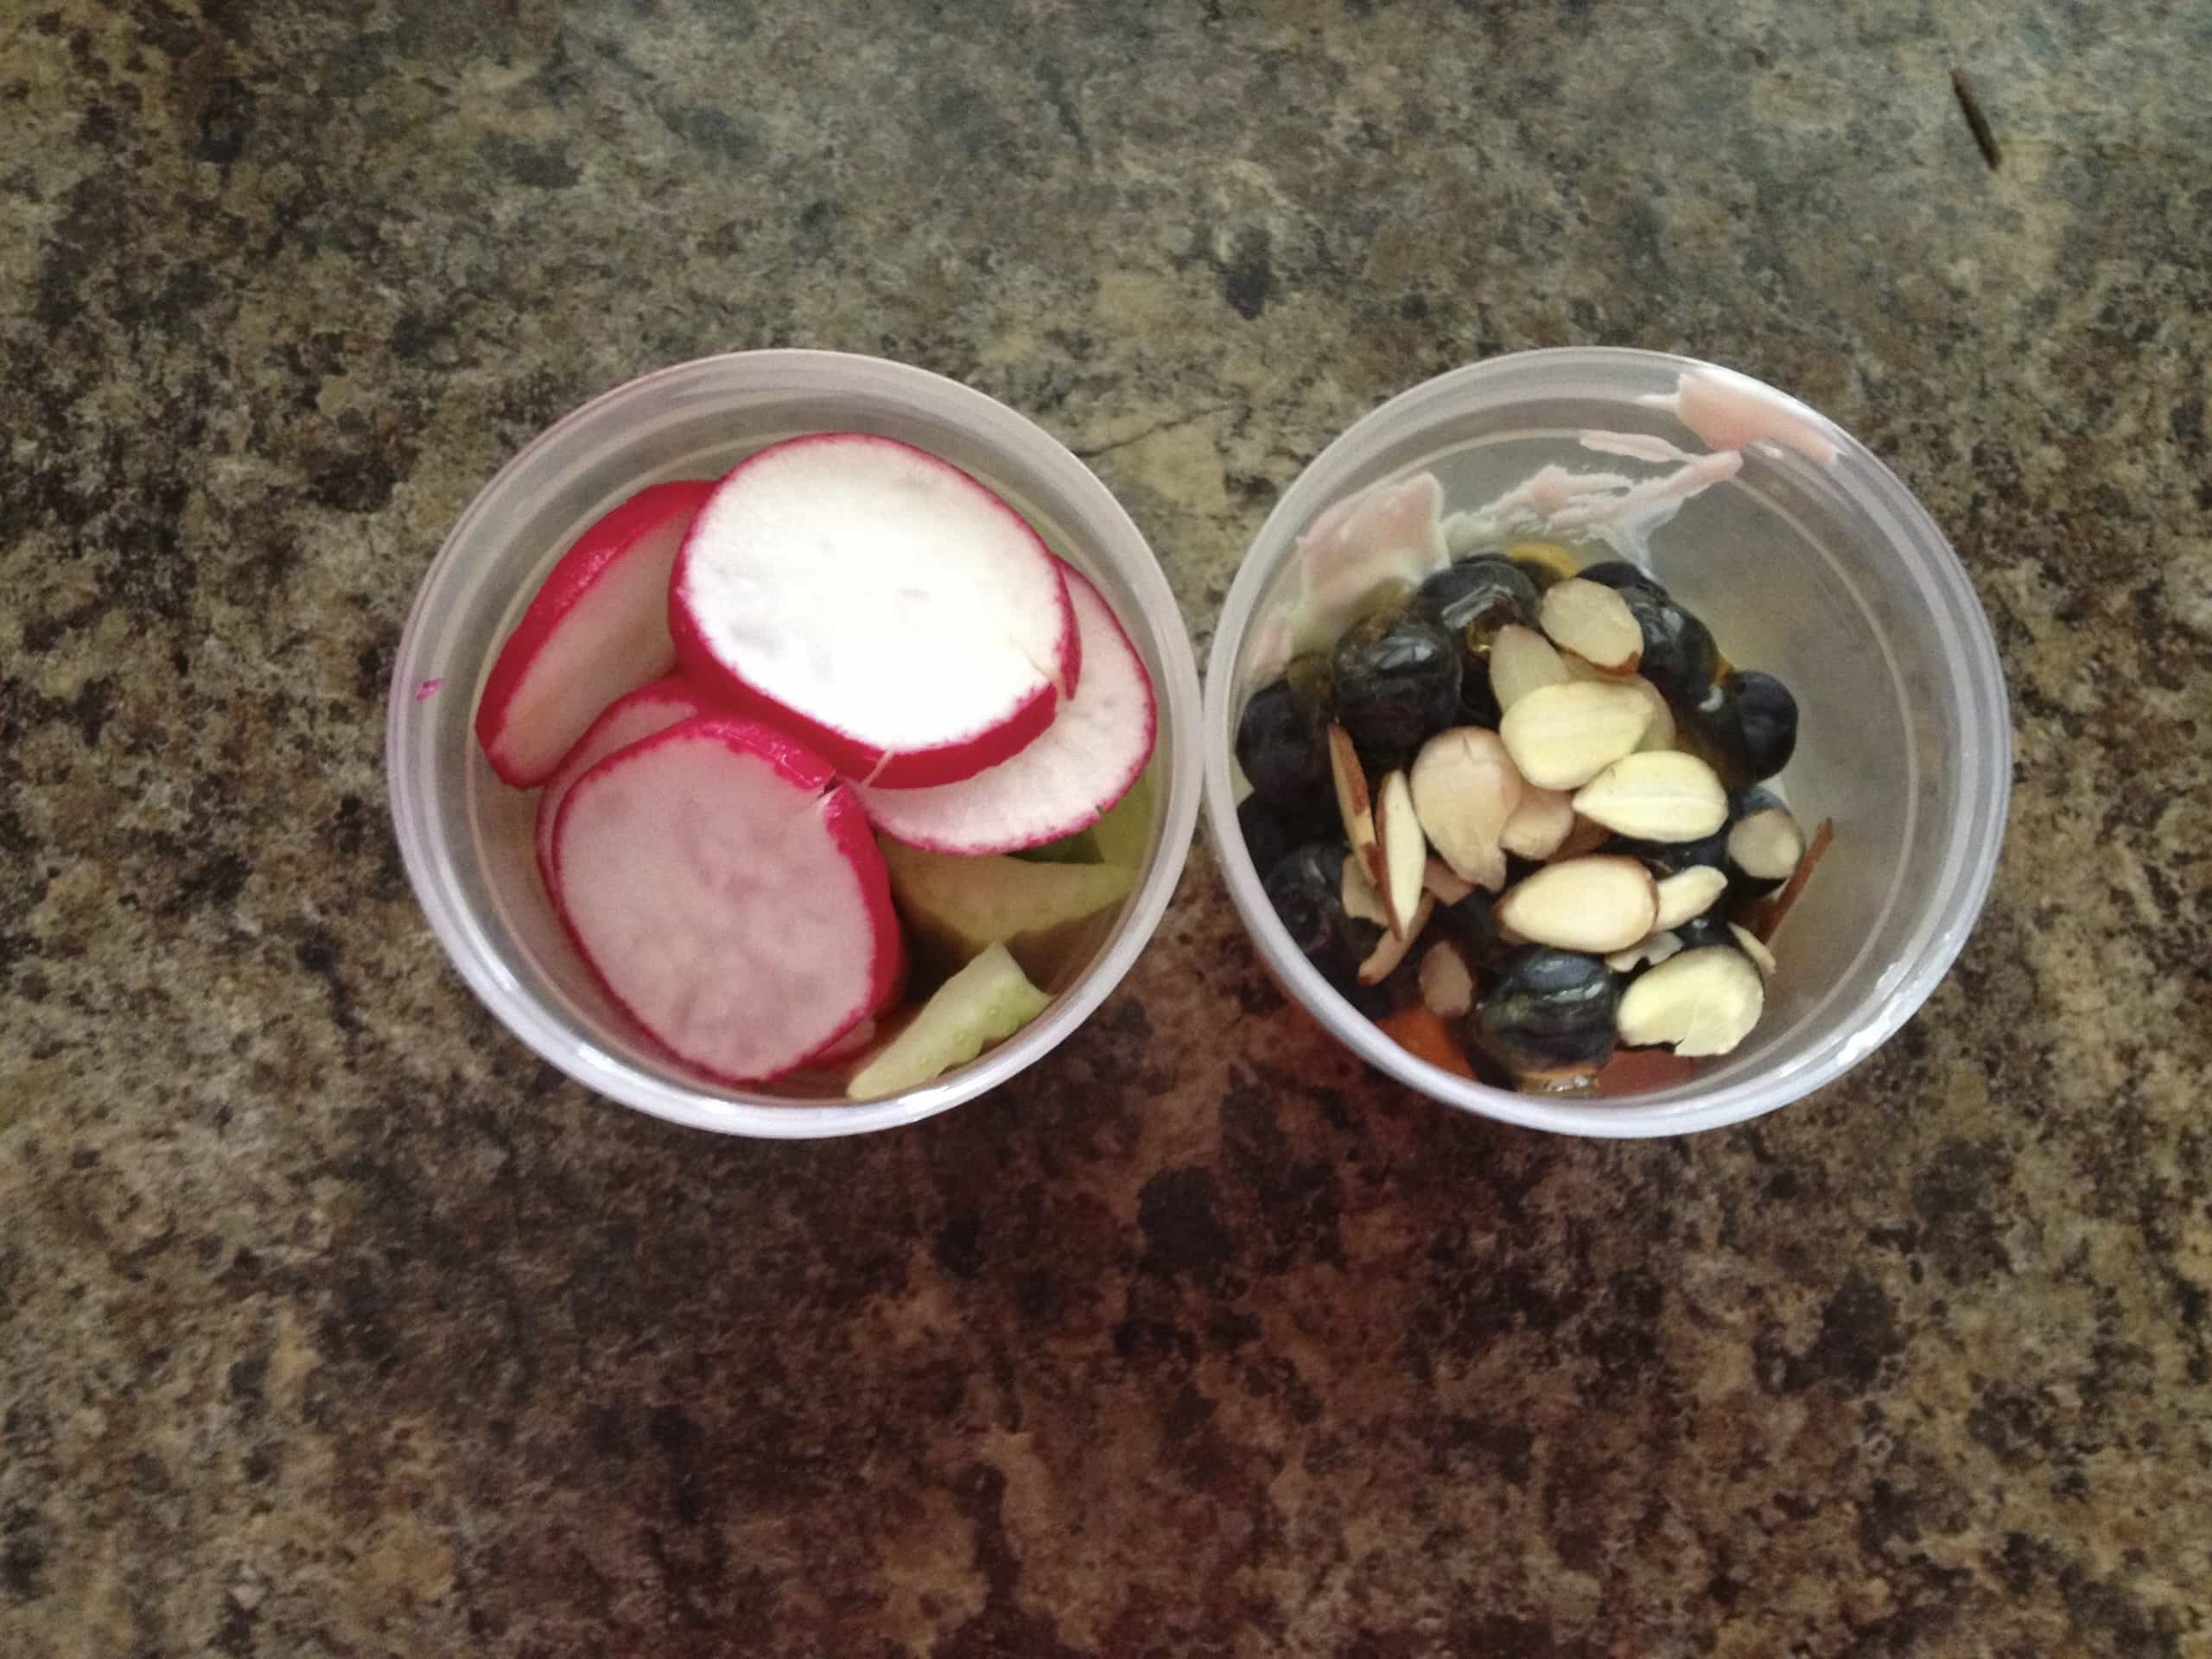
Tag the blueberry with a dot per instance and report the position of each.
(1282, 744)
(1306, 887)
(1712, 928)
(1397, 683)
(1748, 722)
(1471, 925)
(1666, 858)
(1550, 1011)
(1620, 574)
(1679, 655)
(1470, 601)
(1270, 831)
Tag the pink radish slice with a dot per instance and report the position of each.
(878, 603)
(844, 1047)
(626, 721)
(1065, 781)
(723, 886)
(597, 628)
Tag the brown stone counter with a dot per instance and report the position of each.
(332, 1323)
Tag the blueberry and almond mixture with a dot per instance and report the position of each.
(1519, 815)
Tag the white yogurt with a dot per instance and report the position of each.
(1394, 531)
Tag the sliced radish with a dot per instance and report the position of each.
(626, 721)
(597, 628)
(1098, 743)
(880, 604)
(723, 886)
(847, 1046)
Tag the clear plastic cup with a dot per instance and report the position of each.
(1834, 577)
(466, 838)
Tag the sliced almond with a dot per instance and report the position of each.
(1755, 950)
(1361, 902)
(1521, 661)
(1353, 803)
(1540, 825)
(1561, 737)
(1662, 795)
(1654, 948)
(1772, 914)
(1465, 788)
(1766, 845)
(1447, 986)
(1437, 878)
(1690, 893)
(1659, 735)
(1405, 851)
(1551, 555)
(1598, 905)
(1390, 950)
(1587, 837)
(1594, 622)
(1704, 1002)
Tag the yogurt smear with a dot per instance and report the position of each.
(1394, 530)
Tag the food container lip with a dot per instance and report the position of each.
(1925, 559)
(1101, 525)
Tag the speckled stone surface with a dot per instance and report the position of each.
(331, 1323)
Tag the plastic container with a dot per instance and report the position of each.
(465, 836)
(1834, 577)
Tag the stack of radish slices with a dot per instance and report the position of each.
(772, 715)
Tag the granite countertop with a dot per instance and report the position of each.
(333, 1323)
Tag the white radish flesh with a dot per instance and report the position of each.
(1099, 741)
(723, 886)
(879, 603)
(626, 721)
(597, 629)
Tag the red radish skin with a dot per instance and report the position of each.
(845, 1047)
(724, 888)
(878, 603)
(1066, 780)
(626, 721)
(597, 628)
